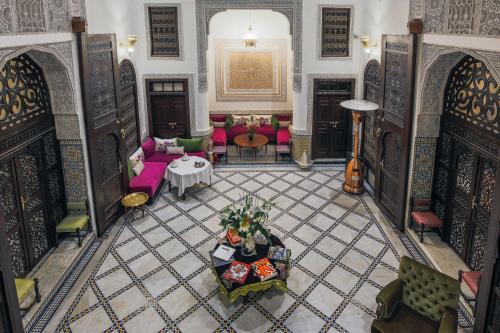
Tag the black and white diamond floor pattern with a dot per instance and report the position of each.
(155, 275)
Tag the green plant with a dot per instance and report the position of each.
(247, 217)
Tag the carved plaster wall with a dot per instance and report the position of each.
(38, 16)
(56, 61)
(458, 17)
(205, 10)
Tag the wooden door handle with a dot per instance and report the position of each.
(123, 133)
(23, 203)
(379, 131)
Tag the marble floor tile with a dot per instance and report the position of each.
(159, 282)
(148, 321)
(171, 249)
(127, 302)
(198, 321)
(303, 320)
(97, 321)
(276, 302)
(182, 299)
(314, 262)
(251, 321)
(324, 299)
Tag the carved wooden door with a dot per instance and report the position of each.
(100, 80)
(370, 124)
(129, 113)
(168, 107)
(332, 123)
(394, 132)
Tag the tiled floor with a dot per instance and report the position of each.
(154, 274)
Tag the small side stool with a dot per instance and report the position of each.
(24, 287)
(134, 201)
(75, 224)
(220, 150)
(425, 219)
(471, 279)
(282, 150)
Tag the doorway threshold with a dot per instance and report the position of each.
(329, 161)
(56, 274)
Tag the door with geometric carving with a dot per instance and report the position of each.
(99, 74)
(395, 121)
(129, 113)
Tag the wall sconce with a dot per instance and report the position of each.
(132, 40)
(367, 45)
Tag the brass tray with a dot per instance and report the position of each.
(135, 199)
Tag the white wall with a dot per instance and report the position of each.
(233, 24)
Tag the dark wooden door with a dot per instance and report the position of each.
(100, 82)
(394, 132)
(332, 125)
(168, 106)
(10, 316)
(129, 113)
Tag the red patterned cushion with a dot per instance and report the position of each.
(471, 279)
(218, 118)
(428, 219)
(283, 117)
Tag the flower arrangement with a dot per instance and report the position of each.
(247, 218)
(252, 127)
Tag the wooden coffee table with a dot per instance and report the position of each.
(243, 141)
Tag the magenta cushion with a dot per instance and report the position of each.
(148, 147)
(219, 137)
(218, 118)
(283, 136)
(236, 130)
(268, 131)
(282, 117)
(150, 178)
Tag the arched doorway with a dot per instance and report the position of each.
(467, 157)
(129, 111)
(33, 196)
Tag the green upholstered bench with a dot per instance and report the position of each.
(24, 287)
(75, 224)
(421, 300)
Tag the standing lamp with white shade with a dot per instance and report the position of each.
(354, 170)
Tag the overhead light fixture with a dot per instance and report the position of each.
(367, 45)
(250, 39)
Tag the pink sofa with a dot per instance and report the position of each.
(155, 164)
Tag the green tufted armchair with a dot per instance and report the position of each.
(421, 300)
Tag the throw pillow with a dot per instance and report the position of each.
(137, 156)
(139, 167)
(219, 124)
(241, 120)
(190, 145)
(263, 119)
(175, 150)
(284, 123)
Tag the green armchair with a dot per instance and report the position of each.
(421, 300)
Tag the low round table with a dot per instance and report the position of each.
(252, 283)
(185, 174)
(134, 201)
(243, 141)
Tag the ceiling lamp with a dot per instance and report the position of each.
(250, 39)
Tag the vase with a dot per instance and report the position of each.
(248, 246)
(250, 136)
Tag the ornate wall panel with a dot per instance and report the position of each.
(301, 143)
(335, 32)
(205, 10)
(395, 89)
(423, 167)
(5, 17)
(31, 16)
(458, 17)
(164, 35)
(74, 170)
(129, 112)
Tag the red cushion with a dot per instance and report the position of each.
(471, 279)
(219, 137)
(148, 147)
(283, 136)
(268, 131)
(150, 178)
(427, 219)
(236, 130)
(282, 117)
(218, 118)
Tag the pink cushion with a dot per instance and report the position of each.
(282, 117)
(218, 118)
(283, 137)
(219, 137)
(268, 131)
(236, 130)
(148, 147)
(428, 219)
(150, 178)
(472, 279)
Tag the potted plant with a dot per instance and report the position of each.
(252, 127)
(247, 218)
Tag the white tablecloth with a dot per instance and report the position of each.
(186, 175)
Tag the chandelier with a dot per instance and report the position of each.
(250, 39)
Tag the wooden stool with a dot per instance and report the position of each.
(426, 219)
(75, 224)
(23, 289)
(471, 279)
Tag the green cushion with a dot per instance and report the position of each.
(426, 290)
(71, 223)
(190, 145)
(275, 123)
(23, 288)
(130, 170)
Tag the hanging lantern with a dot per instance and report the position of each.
(250, 39)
